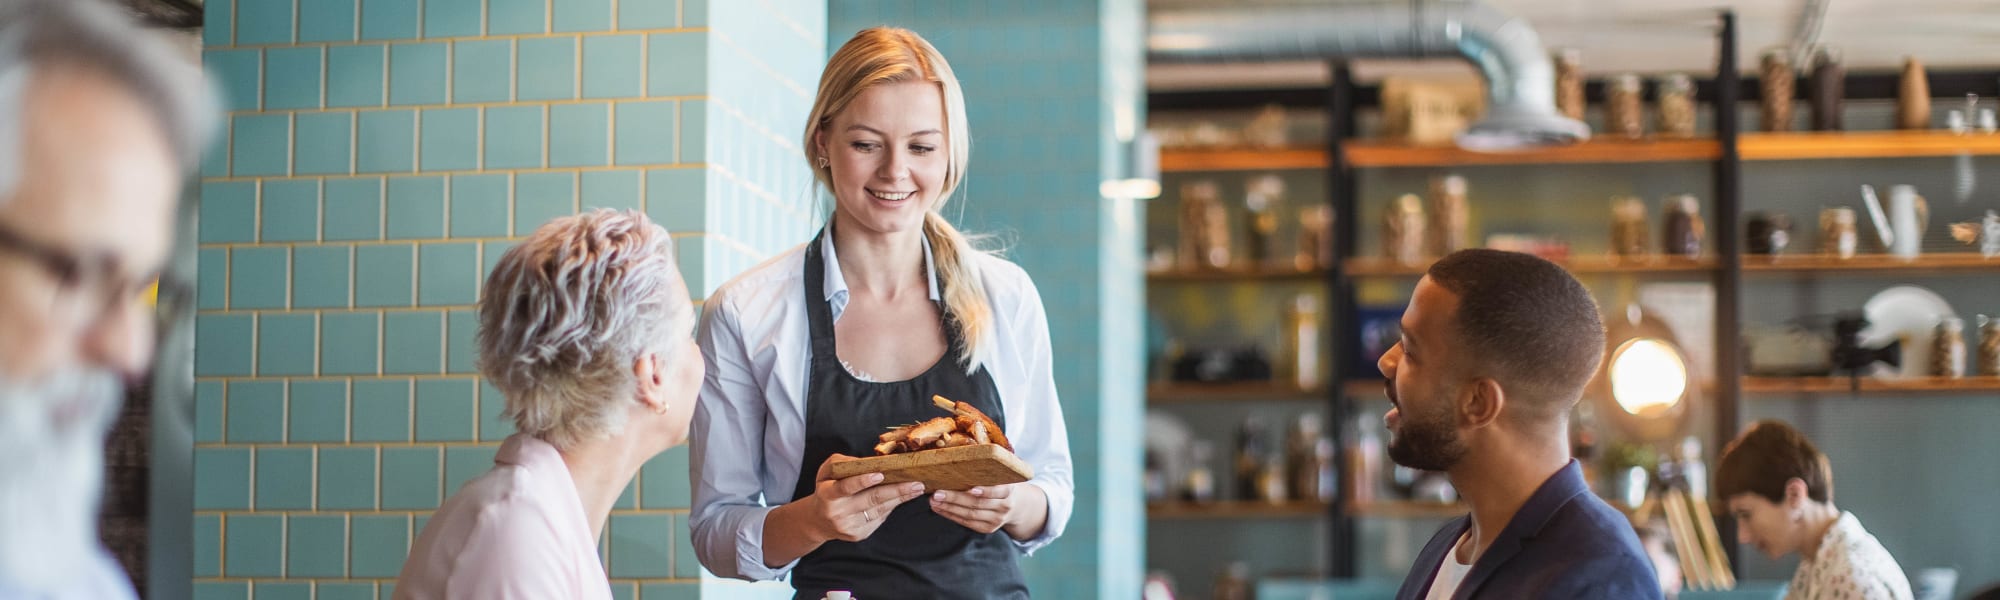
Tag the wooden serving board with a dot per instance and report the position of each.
(950, 469)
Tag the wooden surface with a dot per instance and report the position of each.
(1866, 263)
(1247, 391)
(1236, 509)
(1839, 385)
(1585, 264)
(1179, 275)
(1598, 150)
(1406, 509)
(1183, 161)
(1862, 144)
(960, 468)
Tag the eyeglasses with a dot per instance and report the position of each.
(82, 283)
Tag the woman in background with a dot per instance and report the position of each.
(586, 328)
(1780, 490)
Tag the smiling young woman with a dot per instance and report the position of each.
(816, 352)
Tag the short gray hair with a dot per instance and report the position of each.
(565, 313)
(91, 34)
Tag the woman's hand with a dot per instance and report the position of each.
(1019, 508)
(851, 509)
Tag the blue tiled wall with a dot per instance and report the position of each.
(381, 156)
(1045, 85)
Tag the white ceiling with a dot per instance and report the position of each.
(1652, 36)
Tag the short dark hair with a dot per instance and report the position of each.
(1764, 457)
(1525, 322)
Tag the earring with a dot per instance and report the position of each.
(662, 409)
(822, 161)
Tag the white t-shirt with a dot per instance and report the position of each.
(1450, 574)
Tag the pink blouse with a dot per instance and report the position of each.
(517, 531)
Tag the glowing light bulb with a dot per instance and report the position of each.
(1647, 376)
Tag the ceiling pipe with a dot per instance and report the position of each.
(1520, 79)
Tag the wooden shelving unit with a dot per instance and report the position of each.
(1377, 153)
(1581, 265)
(1236, 509)
(1231, 392)
(1210, 275)
(1863, 144)
(1841, 385)
(1186, 161)
(1880, 264)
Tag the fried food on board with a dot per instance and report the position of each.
(967, 426)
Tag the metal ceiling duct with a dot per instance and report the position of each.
(1520, 80)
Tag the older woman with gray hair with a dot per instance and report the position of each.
(586, 328)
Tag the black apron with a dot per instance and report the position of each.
(915, 553)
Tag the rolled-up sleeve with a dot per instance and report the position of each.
(725, 450)
(1041, 437)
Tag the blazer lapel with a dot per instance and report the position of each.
(1418, 583)
(1527, 522)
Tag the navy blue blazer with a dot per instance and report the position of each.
(1564, 543)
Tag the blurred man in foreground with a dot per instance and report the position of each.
(98, 122)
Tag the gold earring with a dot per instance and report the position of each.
(822, 161)
(663, 408)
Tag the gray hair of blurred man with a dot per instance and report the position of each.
(92, 34)
(565, 314)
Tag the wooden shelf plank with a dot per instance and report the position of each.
(1862, 144)
(1249, 391)
(1870, 263)
(1601, 150)
(1406, 509)
(1164, 393)
(1237, 509)
(1839, 385)
(1186, 161)
(1583, 265)
(1181, 275)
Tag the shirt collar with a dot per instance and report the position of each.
(836, 283)
(1837, 537)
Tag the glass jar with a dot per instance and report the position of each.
(1989, 346)
(1837, 236)
(1449, 215)
(1628, 226)
(1776, 85)
(1676, 106)
(1624, 113)
(1948, 354)
(1684, 227)
(1569, 83)
(1403, 230)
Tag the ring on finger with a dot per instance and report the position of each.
(868, 514)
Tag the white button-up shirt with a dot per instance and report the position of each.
(1850, 565)
(748, 436)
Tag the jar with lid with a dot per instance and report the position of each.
(1403, 230)
(1989, 346)
(1624, 113)
(1569, 83)
(1684, 226)
(1837, 235)
(1676, 106)
(1628, 226)
(1948, 353)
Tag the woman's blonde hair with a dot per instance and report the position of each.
(887, 55)
(564, 315)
